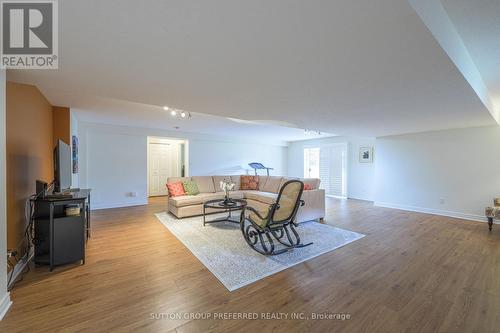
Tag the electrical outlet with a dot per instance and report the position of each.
(132, 194)
(442, 201)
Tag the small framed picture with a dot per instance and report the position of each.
(74, 153)
(366, 155)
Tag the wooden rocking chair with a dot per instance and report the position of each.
(279, 223)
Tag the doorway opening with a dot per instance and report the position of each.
(167, 157)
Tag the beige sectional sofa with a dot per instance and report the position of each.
(192, 205)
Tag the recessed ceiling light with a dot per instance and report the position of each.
(173, 113)
(183, 114)
(166, 108)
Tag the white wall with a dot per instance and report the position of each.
(4, 295)
(360, 175)
(113, 160)
(214, 157)
(461, 167)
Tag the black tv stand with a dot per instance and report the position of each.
(61, 239)
(58, 196)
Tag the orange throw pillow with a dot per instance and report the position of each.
(175, 189)
(249, 183)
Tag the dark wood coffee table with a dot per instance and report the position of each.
(219, 204)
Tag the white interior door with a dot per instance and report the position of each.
(311, 162)
(162, 164)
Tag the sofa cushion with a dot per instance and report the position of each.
(218, 179)
(262, 182)
(177, 179)
(285, 179)
(273, 184)
(175, 189)
(189, 200)
(314, 182)
(236, 180)
(249, 182)
(190, 187)
(264, 197)
(205, 183)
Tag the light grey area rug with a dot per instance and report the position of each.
(223, 250)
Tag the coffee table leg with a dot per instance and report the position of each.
(228, 218)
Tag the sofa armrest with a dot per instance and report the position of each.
(314, 207)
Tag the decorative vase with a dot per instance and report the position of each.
(227, 186)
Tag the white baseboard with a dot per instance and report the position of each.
(118, 205)
(458, 215)
(360, 198)
(335, 196)
(5, 304)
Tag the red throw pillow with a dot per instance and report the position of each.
(307, 187)
(249, 182)
(175, 189)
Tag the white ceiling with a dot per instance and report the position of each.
(478, 23)
(117, 112)
(350, 67)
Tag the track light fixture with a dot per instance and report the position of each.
(312, 132)
(175, 112)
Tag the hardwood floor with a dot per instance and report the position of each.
(413, 272)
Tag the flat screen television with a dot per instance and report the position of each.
(62, 166)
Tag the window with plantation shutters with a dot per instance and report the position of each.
(328, 163)
(332, 169)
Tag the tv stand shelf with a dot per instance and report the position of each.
(61, 239)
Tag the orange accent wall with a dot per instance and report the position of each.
(61, 124)
(29, 153)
